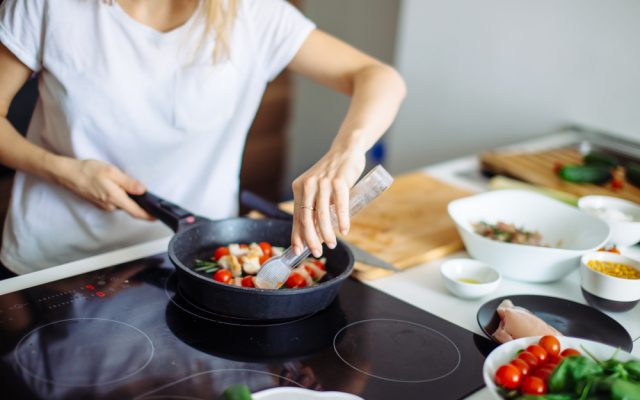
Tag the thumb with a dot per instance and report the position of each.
(130, 185)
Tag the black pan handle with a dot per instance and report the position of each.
(170, 214)
(262, 205)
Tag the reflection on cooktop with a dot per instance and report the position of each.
(398, 351)
(125, 332)
(89, 338)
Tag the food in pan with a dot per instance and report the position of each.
(509, 233)
(517, 322)
(546, 371)
(238, 264)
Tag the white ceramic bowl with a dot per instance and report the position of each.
(507, 352)
(623, 233)
(576, 232)
(608, 292)
(455, 271)
(293, 393)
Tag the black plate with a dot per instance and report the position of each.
(568, 317)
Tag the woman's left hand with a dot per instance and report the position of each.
(325, 184)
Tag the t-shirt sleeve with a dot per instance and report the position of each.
(280, 30)
(22, 30)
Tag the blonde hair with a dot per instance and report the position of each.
(219, 16)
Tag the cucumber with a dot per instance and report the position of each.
(600, 159)
(236, 392)
(585, 174)
(633, 174)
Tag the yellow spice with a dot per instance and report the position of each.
(617, 270)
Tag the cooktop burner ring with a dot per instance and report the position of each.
(130, 328)
(214, 317)
(152, 394)
(448, 370)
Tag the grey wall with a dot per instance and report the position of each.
(317, 112)
(486, 73)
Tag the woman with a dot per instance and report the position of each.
(159, 95)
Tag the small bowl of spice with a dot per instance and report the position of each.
(469, 279)
(610, 281)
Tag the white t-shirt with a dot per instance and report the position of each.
(116, 90)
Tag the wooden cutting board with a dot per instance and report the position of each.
(407, 225)
(538, 168)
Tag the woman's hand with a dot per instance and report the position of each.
(324, 184)
(102, 184)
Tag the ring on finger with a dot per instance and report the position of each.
(308, 208)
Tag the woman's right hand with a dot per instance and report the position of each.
(102, 184)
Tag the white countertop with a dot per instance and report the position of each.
(420, 286)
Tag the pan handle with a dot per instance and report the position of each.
(262, 205)
(170, 214)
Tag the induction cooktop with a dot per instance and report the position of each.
(127, 332)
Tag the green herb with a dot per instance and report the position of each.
(206, 266)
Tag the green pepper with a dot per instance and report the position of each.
(600, 159)
(236, 392)
(585, 174)
(633, 173)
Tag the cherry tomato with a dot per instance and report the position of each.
(244, 246)
(266, 249)
(569, 352)
(220, 252)
(247, 281)
(522, 366)
(264, 259)
(508, 376)
(544, 372)
(538, 351)
(320, 264)
(551, 344)
(222, 275)
(295, 280)
(533, 385)
(529, 358)
(555, 360)
(310, 271)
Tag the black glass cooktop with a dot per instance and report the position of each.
(126, 332)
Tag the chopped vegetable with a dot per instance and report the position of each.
(238, 263)
(505, 232)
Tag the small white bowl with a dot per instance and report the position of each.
(508, 351)
(574, 232)
(455, 271)
(293, 393)
(624, 233)
(608, 292)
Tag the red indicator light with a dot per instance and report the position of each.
(90, 287)
(100, 294)
(190, 219)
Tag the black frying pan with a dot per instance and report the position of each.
(197, 237)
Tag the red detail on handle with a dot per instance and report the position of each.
(90, 287)
(190, 219)
(100, 294)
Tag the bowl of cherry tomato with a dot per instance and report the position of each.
(537, 366)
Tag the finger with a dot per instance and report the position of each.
(120, 199)
(341, 197)
(308, 224)
(323, 215)
(130, 185)
(297, 241)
